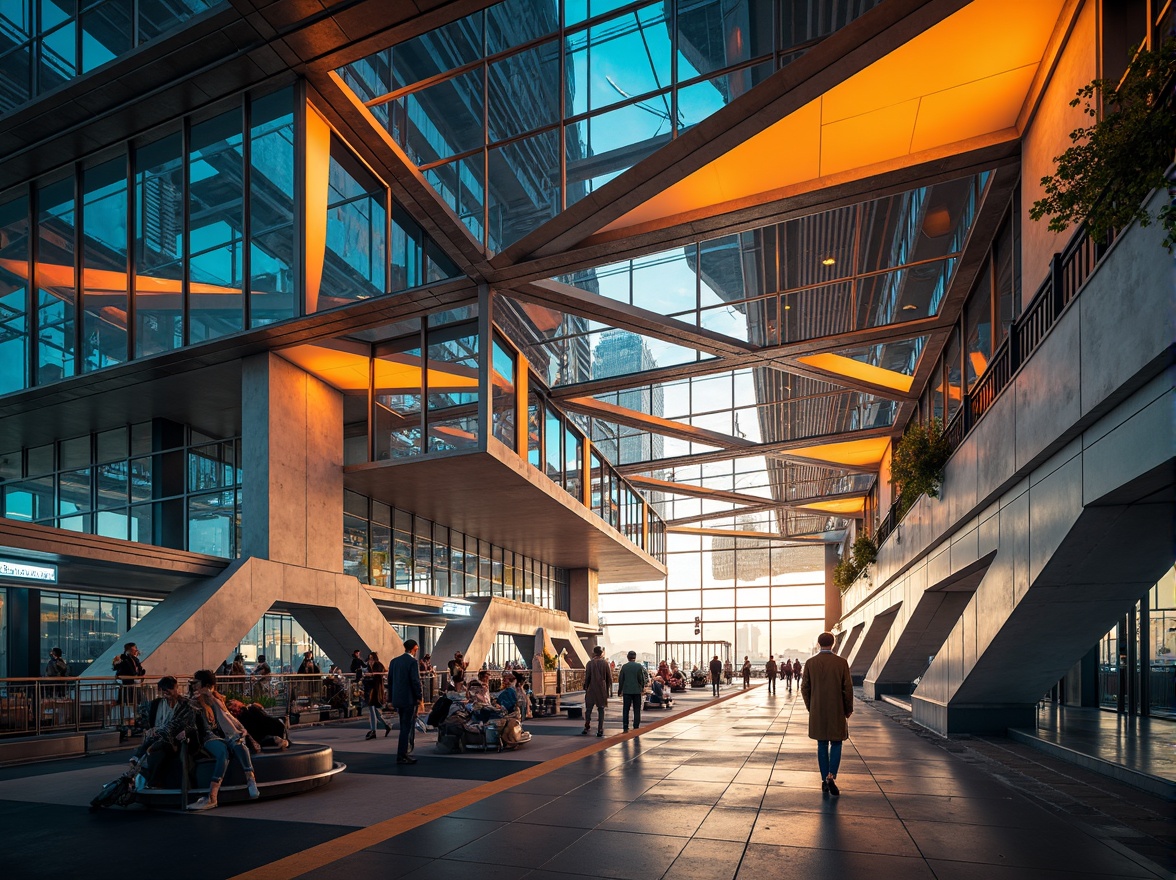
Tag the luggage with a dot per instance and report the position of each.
(118, 793)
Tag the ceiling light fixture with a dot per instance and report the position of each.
(909, 307)
(828, 261)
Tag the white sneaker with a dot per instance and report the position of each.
(202, 805)
(251, 785)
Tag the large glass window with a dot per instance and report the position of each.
(14, 289)
(105, 287)
(216, 224)
(271, 206)
(159, 243)
(502, 383)
(452, 388)
(978, 327)
(56, 281)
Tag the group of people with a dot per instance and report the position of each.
(224, 729)
(789, 672)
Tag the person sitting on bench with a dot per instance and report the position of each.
(658, 695)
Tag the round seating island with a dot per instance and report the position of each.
(301, 767)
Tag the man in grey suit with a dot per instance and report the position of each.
(404, 689)
(597, 686)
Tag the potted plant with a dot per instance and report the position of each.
(1103, 179)
(917, 463)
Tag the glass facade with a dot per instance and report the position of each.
(154, 482)
(191, 237)
(1137, 658)
(760, 596)
(84, 625)
(46, 44)
(386, 547)
(515, 112)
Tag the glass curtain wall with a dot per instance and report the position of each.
(761, 596)
(1137, 658)
(190, 236)
(154, 483)
(518, 111)
(84, 625)
(44, 45)
(386, 547)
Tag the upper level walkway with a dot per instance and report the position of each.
(719, 789)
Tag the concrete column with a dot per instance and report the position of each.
(292, 451)
(584, 586)
(832, 591)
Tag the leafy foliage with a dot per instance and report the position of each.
(916, 467)
(549, 661)
(1114, 163)
(849, 569)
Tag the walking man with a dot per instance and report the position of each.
(746, 670)
(404, 687)
(827, 689)
(786, 674)
(631, 683)
(770, 673)
(716, 674)
(597, 684)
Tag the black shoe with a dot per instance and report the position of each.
(405, 759)
(624, 730)
(824, 786)
(387, 730)
(598, 733)
(832, 786)
(371, 734)
(584, 732)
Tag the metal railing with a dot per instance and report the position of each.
(1068, 271)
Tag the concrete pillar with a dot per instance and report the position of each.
(584, 588)
(292, 461)
(832, 591)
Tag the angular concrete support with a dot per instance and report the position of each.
(871, 643)
(199, 625)
(847, 640)
(584, 587)
(832, 591)
(919, 631)
(474, 635)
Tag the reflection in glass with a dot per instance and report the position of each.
(398, 405)
(159, 226)
(14, 273)
(216, 178)
(56, 281)
(271, 209)
(502, 384)
(104, 265)
(452, 388)
(523, 188)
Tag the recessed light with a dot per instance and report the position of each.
(909, 307)
(787, 308)
(828, 261)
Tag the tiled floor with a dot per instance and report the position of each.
(727, 792)
(1146, 745)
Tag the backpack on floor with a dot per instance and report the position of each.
(439, 712)
(117, 793)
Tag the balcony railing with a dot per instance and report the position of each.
(1068, 271)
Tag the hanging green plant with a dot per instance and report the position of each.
(916, 466)
(844, 574)
(864, 552)
(1104, 178)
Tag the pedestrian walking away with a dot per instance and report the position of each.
(746, 670)
(597, 684)
(786, 674)
(404, 690)
(770, 670)
(827, 689)
(716, 675)
(631, 682)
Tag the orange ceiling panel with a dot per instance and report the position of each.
(395, 374)
(965, 78)
(841, 505)
(855, 369)
(857, 453)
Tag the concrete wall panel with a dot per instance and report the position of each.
(1054, 505)
(995, 434)
(1134, 447)
(1048, 391)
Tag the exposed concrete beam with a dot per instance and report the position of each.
(742, 533)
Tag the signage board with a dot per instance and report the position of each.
(28, 571)
(456, 610)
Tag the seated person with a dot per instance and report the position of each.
(480, 706)
(658, 695)
(260, 725)
(155, 747)
(508, 697)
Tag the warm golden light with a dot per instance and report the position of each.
(964, 79)
(840, 505)
(854, 369)
(828, 261)
(856, 453)
(394, 374)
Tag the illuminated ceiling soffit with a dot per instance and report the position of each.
(962, 81)
(348, 371)
(842, 506)
(855, 369)
(856, 453)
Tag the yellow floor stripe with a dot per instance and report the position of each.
(360, 839)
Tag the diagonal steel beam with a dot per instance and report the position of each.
(644, 421)
(832, 61)
(763, 536)
(618, 314)
(781, 446)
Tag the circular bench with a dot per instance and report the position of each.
(301, 767)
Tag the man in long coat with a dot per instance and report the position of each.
(597, 686)
(404, 691)
(827, 688)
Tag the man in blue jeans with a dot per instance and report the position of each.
(404, 690)
(827, 688)
(631, 681)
